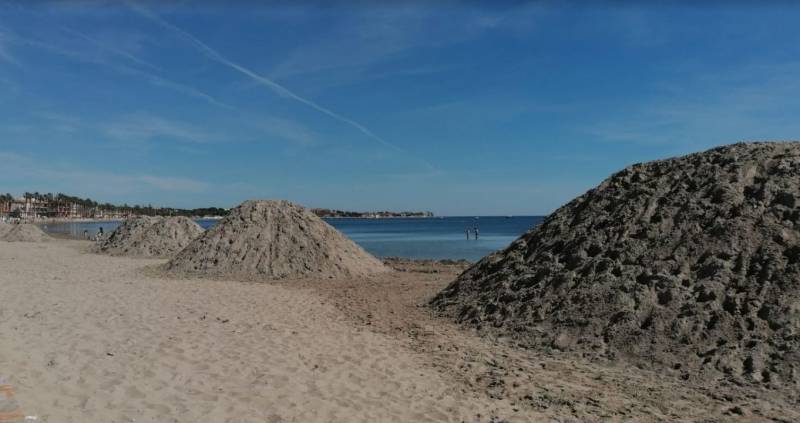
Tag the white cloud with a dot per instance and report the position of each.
(113, 48)
(46, 177)
(139, 127)
(126, 70)
(215, 56)
(133, 127)
(5, 54)
(366, 36)
(174, 184)
(146, 127)
(711, 108)
(287, 129)
(11, 158)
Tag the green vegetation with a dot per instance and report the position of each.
(62, 205)
(53, 205)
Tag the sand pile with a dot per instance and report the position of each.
(692, 263)
(151, 237)
(131, 230)
(23, 233)
(274, 239)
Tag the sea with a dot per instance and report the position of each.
(416, 238)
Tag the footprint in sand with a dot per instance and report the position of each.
(161, 409)
(132, 392)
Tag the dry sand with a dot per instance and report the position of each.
(274, 239)
(153, 237)
(94, 338)
(24, 233)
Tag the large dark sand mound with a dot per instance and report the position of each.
(151, 237)
(23, 233)
(272, 239)
(692, 263)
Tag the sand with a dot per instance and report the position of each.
(690, 264)
(274, 239)
(88, 338)
(157, 237)
(95, 338)
(24, 233)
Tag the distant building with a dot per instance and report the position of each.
(5, 208)
(32, 208)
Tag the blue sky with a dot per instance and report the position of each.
(459, 108)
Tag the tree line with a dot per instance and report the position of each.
(87, 203)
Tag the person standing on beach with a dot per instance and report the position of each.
(475, 230)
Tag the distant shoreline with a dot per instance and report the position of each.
(121, 219)
(379, 217)
(112, 220)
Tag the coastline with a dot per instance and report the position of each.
(380, 217)
(94, 220)
(76, 220)
(419, 238)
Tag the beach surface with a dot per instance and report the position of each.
(92, 338)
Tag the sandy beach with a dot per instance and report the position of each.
(408, 211)
(91, 338)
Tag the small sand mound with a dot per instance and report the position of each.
(130, 231)
(273, 239)
(151, 237)
(23, 233)
(692, 263)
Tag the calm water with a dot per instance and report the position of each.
(420, 238)
(434, 238)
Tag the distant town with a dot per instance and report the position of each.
(35, 206)
(370, 215)
(49, 206)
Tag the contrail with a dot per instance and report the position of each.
(280, 89)
(123, 69)
(163, 82)
(111, 49)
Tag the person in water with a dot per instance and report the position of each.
(466, 231)
(475, 231)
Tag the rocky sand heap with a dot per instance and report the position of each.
(23, 233)
(692, 263)
(151, 237)
(273, 239)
